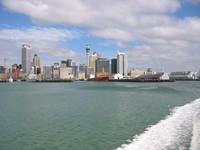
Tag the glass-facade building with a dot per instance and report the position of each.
(102, 64)
(114, 66)
(122, 67)
(26, 58)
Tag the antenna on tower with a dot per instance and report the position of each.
(87, 54)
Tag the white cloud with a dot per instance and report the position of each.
(166, 38)
(88, 12)
(48, 51)
(38, 34)
(120, 44)
(127, 20)
(46, 41)
(170, 56)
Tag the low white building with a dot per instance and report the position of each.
(156, 76)
(189, 75)
(116, 76)
(164, 76)
(136, 73)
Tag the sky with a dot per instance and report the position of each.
(160, 34)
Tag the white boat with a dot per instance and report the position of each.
(10, 79)
(31, 78)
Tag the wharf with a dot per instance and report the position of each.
(139, 80)
(54, 81)
(4, 81)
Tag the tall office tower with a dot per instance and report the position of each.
(69, 62)
(102, 65)
(56, 71)
(93, 58)
(114, 66)
(122, 64)
(63, 63)
(26, 58)
(36, 61)
(87, 54)
(36, 64)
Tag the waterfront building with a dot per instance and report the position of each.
(3, 76)
(185, 75)
(92, 60)
(136, 73)
(87, 54)
(116, 76)
(56, 71)
(114, 66)
(22, 76)
(66, 73)
(47, 72)
(150, 71)
(2, 69)
(82, 68)
(102, 64)
(15, 70)
(36, 64)
(88, 71)
(81, 71)
(26, 58)
(154, 77)
(122, 64)
(81, 75)
(164, 76)
(75, 71)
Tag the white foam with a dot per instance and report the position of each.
(172, 133)
(195, 144)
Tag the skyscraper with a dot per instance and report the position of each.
(36, 64)
(36, 61)
(87, 54)
(69, 62)
(102, 64)
(56, 71)
(122, 64)
(26, 58)
(114, 66)
(93, 58)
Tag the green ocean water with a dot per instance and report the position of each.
(96, 115)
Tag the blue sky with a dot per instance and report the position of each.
(161, 34)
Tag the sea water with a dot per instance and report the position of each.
(100, 116)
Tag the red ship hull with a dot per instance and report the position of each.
(99, 79)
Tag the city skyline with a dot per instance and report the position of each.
(161, 34)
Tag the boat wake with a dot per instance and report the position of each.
(179, 131)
